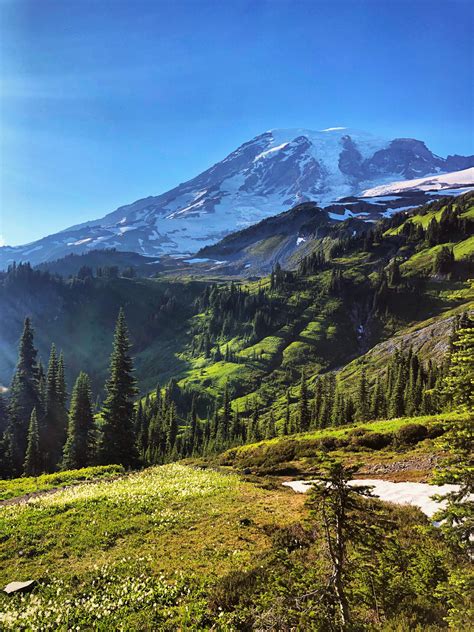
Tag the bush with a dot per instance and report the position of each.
(234, 588)
(328, 443)
(411, 434)
(292, 537)
(373, 440)
(435, 431)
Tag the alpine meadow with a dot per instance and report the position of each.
(244, 402)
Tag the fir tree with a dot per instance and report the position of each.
(3, 415)
(24, 396)
(78, 450)
(459, 383)
(33, 465)
(224, 425)
(378, 403)
(303, 406)
(397, 402)
(362, 412)
(118, 443)
(287, 422)
(172, 430)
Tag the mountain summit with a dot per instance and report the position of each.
(266, 175)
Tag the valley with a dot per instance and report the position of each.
(337, 351)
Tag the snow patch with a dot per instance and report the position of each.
(264, 154)
(417, 494)
(80, 242)
(453, 180)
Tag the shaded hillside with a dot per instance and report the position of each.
(79, 315)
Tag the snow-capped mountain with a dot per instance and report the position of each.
(269, 174)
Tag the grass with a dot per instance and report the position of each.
(136, 552)
(376, 447)
(30, 485)
(383, 425)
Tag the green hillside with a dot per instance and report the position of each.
(173, 548)
(161, 507)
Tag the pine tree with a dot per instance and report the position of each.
(270, 430)
(303, 406)
(337, 507)
(362, 411)
(32, 465)
(78, 450)
(287, 422)
(456, 517)
(53, 427)
(118, 443)
(172, 431)
(3, 415)
(459, 383)
(397, 402)
(224, 425)
(24, 396)
(378, 403)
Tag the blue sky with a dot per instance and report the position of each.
(107, 101)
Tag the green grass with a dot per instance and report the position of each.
(464, 249)
(134, 553)
(30, 485)
(384, 425)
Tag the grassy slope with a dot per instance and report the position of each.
(12, 488)
(300, 454)
(179, 525)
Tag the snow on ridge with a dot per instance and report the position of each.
(455, 179)
(265, 153)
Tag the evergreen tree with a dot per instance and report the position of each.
(270, 430)
(339, 407)
(24, 396)
(304, 417)
(78, 450)
(459, 383)
(118, 443)
(226, 417)
(3, 415)
(337, 507)
(395, 277)
(33, 465)
(378, 403)
(362, 411)
(456, 517)
(444, 261)
(397, 402)
(172, 431)
(287, 422)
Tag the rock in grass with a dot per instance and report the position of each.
(14, 587)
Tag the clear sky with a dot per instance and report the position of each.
(107, 101)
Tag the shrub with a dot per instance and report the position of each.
(411, 434)
(233, 588)
(373, 440)
(435, 431)
(292, 537)
(328, 443)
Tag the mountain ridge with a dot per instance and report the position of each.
(269, 174)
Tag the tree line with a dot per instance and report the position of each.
(40, 433)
